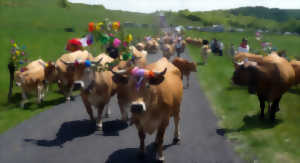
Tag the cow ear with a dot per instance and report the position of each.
(119, 79)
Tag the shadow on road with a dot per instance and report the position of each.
(80, 128)
(250, 123)
(130, 155)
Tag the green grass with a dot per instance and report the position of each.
(238, 111)
(40, 26)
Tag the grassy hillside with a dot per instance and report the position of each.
(267, 13)
(40, 26)
(236, 18)
(238, 111)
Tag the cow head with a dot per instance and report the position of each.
(50, 70)
(245, 74)
(140, 83)
(83, 71)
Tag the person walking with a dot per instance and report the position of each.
(244, 47)
(178, 46)
(221, 47)
(204, 51)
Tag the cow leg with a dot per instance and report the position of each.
(123, 110)
(24, 98)
(88, 106)
(107, 111)
(159, 142)
(40, 92)
(262, 107)
(188, 81)
(274, 108)
(176, 139)
(99, 119)
(142, 137)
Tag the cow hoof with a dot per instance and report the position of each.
(160, 159)
(141, 155)
(176, 141)
(107, 115)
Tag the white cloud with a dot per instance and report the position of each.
(193, 5)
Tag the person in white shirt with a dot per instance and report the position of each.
(244, 47)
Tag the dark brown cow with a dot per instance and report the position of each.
(153, 99)
(186, 67)
(269, 78)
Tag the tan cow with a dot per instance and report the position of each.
(186, 67)
(296, 66)
(64, 75)
(153, 99)
(97, 87)
(152, 46)
(31, 79)
(140, 46)
(168, 50)
(269, 78)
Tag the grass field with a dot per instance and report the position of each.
(40, 26)
(238, 111)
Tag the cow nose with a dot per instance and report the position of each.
(137, 108)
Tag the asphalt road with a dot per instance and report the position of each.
(64, 134)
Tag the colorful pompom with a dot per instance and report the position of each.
(116, 25)
(116, 42)
(91, 26)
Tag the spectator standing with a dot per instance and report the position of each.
(244, 47)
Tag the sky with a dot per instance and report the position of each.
(148, 6)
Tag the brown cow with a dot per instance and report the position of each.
(122, 94)
(64, 75)
(186, 67)
(153, 99)
(269, 78)
(97, 87)
(31, 79)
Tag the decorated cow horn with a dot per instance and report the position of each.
(160, 73)
(97, 62)
(66, 63)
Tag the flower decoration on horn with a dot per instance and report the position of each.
(110, 36)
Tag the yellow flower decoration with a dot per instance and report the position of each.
(46, 65)
(98, 26)
(115, 26)
(129, 38)
(17, 52)
(15, 45)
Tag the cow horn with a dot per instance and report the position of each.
(66, 63)
(240, 63)
(119, 72)
(97, 62)
(160, 73)
(42, 63)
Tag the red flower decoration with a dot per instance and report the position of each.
(91, 26)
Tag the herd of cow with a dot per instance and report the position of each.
(151, 92)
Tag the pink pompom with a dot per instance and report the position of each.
(116, 42)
